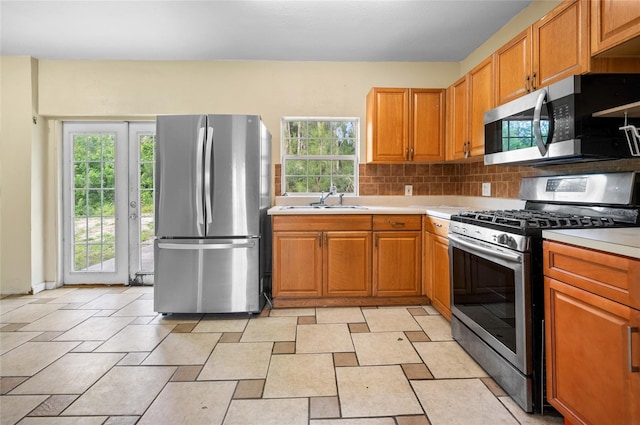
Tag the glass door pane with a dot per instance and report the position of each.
(142, 156)
(94, 202)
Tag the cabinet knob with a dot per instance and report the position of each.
(411, 156)
(406, 154)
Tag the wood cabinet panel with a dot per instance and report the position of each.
(588, 343)
(397, 263)
(347, 265)
(513, 68)
(457, 119)
(405, 125)
(615, 26)
(439, 226)
(481, 98)
(561, 43)
(467, 101)
(438, 264)
(321, 222)
(297, 264)
(611, 276)
(397, 222)
(387, 124)
(427, 125)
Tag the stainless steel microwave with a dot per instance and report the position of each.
(556, 124)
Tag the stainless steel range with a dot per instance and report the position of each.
(496, 271)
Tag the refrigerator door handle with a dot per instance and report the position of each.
(199, 171)
(207, 177)
(250, 244)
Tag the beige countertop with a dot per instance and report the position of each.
(622, 241)
(438, 206)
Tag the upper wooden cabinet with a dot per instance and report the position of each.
(467, 100)
(405, 125)
(513, 68)
(615, 27)
(553, 48)
(561, 43)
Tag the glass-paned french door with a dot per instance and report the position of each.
(108, 201)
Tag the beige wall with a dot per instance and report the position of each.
(21, 174)
(55, 90)
(270, 89)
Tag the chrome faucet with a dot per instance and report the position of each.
(323, 197)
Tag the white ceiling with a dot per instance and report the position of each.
(319, 30)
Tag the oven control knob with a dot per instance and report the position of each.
(504, 239)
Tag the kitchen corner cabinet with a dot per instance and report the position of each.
(467, 100)
(436, 270)
(316, 256)
(555, 47)
(615, 27)
(592, 317)
(405, 125)
(397, 255)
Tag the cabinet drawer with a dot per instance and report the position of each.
(321, 222)
(397, 222)
(438, 226)
(612, 276)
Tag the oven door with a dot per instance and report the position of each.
(490, 294)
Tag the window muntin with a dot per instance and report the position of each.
(319, 152)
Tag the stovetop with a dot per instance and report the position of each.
(529, 221)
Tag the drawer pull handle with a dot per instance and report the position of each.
(437, 224)
(630, 331)
(395, 223)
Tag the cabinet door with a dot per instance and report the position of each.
(347, 264)
(481, 96)
(614, 22)
(397, 263)
(427, 125)
(387, 125)
(588, 341)
(439, 272)
(561, 43)
(457, 119)
(513, 68)
(297, 264)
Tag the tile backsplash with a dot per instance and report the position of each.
(462, 179)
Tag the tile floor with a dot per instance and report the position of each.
(102, 356)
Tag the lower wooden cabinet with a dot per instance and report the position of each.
(397, 255)
(397, 264)
(347, 259)
(592, 342)
(436, 269)
(321, 262)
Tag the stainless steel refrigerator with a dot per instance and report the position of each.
(213, 239)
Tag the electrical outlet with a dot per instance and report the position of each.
(408, 190)
(486, 189)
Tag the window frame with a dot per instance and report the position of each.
(284, 156)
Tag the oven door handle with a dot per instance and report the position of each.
(478, 248)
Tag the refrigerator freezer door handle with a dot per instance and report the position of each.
(199, 212)
(207, 177)
(250, 244)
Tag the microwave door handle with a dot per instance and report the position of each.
(473, 247)
(537, 132)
